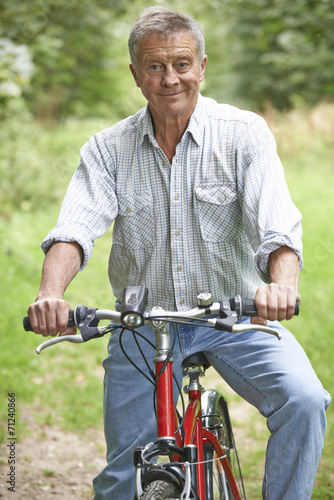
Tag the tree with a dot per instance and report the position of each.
(69, 45)
(282, 51)
(16, 70)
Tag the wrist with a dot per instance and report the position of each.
(284, 268)
(48, 294)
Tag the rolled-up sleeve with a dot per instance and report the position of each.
(270, 217)
(90, 203)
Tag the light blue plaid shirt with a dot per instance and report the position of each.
(206, 222)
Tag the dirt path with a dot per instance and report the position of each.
(52, 464)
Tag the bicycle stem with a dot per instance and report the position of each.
(164, 378)
(162, 336)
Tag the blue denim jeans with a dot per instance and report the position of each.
(274, 376)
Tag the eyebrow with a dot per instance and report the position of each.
(183, 55)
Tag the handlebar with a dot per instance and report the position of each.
(134, 315)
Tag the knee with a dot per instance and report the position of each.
(305, 403)
(310, 401)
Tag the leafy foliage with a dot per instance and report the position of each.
(259, 52)
(69, 42)
(282, 51)
(16, 69)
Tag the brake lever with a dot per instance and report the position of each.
(260, 328)
(229, 317)
(220, 324)
(76, 339)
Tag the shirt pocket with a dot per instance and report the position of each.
(218, 211)
(134, 224)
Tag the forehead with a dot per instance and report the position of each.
(156, 46)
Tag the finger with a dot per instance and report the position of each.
(62, 320)
(271, 302)
(69, 331)
(277, 303)
(48, 319)
(261, 303)
(52, 323)
(33, 319)
(293, 297)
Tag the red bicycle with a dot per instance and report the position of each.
(202, 458)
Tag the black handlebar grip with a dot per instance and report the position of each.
(27, 325)
(297, 308)
(243, 307)
(246, 307)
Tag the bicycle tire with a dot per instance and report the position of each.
(160, 490)
(216, 483)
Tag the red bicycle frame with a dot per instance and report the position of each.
(167, 424)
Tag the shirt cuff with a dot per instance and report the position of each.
(70, 236)
(261, 259)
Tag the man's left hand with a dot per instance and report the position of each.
(275, 302)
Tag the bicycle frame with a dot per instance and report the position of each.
(169, 440)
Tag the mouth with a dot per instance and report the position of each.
(174, 94)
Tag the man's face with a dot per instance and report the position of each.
(169, 74)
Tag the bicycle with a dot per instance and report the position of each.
(203, 461)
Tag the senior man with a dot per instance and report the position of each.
(199, 202)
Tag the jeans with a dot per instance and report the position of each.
(274, 376)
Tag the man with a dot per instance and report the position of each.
(199, 203)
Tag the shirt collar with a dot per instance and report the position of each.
(196, 122)
(195, 125)
(145, 128)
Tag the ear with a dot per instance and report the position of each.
(202, 68)
(134, 74)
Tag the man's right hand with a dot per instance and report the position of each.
(50, 316)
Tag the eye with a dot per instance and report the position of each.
(155, 69)
(182, 67)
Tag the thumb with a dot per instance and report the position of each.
(256, 320)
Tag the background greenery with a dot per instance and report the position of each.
(63, 76)
(67, 57)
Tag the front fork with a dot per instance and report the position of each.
(193, 425)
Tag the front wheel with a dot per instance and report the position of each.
(160, 490)
(217, 421)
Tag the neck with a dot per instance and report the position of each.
(168, 131)
(169, 136)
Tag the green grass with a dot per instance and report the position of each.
(63, 386)
(306, 147)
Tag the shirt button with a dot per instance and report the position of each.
(177, 233)
(128, 210)
(222, 198)
(182, 302)
(176, 197)
(179, 268)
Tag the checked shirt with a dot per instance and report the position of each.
(208, 221)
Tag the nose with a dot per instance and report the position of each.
(170, 77)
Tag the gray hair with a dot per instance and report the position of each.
(163, 22)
